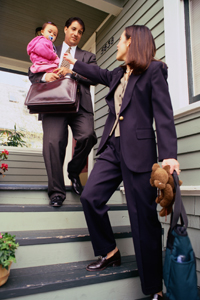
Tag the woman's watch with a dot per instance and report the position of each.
(74, 74)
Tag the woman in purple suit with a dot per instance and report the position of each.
(138, 95)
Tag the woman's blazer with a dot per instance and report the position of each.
(146, 99)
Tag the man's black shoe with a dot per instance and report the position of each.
(76, 185)
(56, 201)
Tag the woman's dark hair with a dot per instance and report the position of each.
(38, 31)
(45, 24)
(71, 20)
(142, 48)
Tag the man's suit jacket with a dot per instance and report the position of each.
(146, 98)
(85, 96)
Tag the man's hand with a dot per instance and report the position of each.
(69, 58)
(173, 163)
(62, 71)
(51, 77)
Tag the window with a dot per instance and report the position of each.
(14, 87)
(192, 25)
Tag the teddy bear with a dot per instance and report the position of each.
(163, 180)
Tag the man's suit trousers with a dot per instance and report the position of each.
(55, 139)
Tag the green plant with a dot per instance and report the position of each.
(14, 138)
(8, 246)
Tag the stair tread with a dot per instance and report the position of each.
(27, 187)
(42, 279)
(34, 237)
(48, 208)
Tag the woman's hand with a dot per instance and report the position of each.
(62, 71)
(69, 58)
(173, 163)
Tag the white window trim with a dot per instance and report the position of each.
(175, 53)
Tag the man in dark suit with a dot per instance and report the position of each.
(55, 126)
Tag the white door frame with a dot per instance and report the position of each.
(90, 46)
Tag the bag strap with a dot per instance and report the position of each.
(179, 209)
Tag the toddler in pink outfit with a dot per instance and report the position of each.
(42, 51)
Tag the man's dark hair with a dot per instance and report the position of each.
(71, 20)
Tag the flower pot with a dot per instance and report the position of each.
(4, 274)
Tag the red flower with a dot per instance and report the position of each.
(4, 167)
(5, 152)
(1, 236)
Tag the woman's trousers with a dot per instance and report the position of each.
(108, 172)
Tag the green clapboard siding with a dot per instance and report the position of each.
(140, 12)
(189, 144)
(25, 166)
(188, 133)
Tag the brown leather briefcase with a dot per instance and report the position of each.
(59, 96)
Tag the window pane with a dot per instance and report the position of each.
(14, 88)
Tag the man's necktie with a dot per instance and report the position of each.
(65, 63)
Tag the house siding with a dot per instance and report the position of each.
(188, 133)
(25, 166)
(140, 12)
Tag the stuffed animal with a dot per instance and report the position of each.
(163, 180)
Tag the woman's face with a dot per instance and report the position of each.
(122, 47)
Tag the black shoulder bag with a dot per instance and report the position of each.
(180, 265)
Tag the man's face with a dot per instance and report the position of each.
(73, 34)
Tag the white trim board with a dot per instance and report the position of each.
(185, 190)
(14, 64)
(103, 6)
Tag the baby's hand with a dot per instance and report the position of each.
(62, 71)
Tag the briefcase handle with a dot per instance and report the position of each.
(179, 209)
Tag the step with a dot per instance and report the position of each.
(45, 217)
(73, 281)
(25, 238)
(37, 194)
(39, 248)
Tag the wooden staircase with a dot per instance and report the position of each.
(55, 248)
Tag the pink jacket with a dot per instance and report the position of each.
(42, 55)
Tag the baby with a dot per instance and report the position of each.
(41, 50)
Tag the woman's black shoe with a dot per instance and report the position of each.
(103, 263)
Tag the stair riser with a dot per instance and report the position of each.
(61, 253)
(19, 221)
(124, 289)
(41, 198)
(32, 197)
